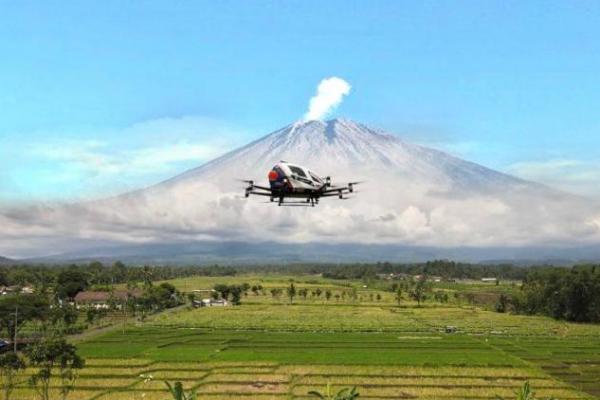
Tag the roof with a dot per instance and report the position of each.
(91, 296)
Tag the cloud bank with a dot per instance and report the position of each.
(330, 93)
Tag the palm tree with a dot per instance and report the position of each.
(147, 276)
(177, 392)
(525, 393)
(343, 394)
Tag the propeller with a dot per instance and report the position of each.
(351, 185)
(248, 181)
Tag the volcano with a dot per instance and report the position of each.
(413, 197)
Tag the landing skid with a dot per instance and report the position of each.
(307, 203)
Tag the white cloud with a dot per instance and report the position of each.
(576, 176)
(330, 93)
(115, 160)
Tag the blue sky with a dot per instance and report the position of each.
(101, 97)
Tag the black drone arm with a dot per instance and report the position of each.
(262, 194)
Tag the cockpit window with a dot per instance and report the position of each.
(314, 177)
(297, 171)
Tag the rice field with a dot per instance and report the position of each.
(287, 365)
(370, 317)
(270, 349)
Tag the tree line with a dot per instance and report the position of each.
(569, 294)
(100, 275)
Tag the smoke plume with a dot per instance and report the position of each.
(329, 95)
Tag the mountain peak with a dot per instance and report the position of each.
(331, 130)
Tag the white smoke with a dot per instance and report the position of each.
(329, 95)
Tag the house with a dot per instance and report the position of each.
(101, 300)
(27, 290)
(203, 290)
(4, 290)
(392, 276)
(489, 280)
(209, 303)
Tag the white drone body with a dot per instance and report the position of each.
(287, 180)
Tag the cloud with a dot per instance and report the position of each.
(71, 165)
(576, 176)
(330, 93)
(201, 207)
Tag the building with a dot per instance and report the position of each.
(101, 300)
(4, 290)
(210, 303)
(489, 280)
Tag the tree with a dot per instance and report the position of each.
(160, 297)
(10, 367)
(15, 310)
(502, 304)
(70, 282)
(236, 293)
(276, 292)
(303, 293)
(93, 315)
(223, 290)
(245, 287)
(118, 272)
(399, 295)
(440, 296)
(318, 292)
(178, 393)
(327, 294)
(63, 315)
(3, 278)
(291, 292)
(53, 355)
(418, 293)
(147, 276)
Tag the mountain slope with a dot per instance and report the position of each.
(345, 147)
(5, 261)
(413, 196)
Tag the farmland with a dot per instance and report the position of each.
(267, 348)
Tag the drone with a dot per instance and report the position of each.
(301, 185)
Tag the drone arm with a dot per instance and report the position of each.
(336, 194)
(261, 194)
(335, 190)
(261, 188)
